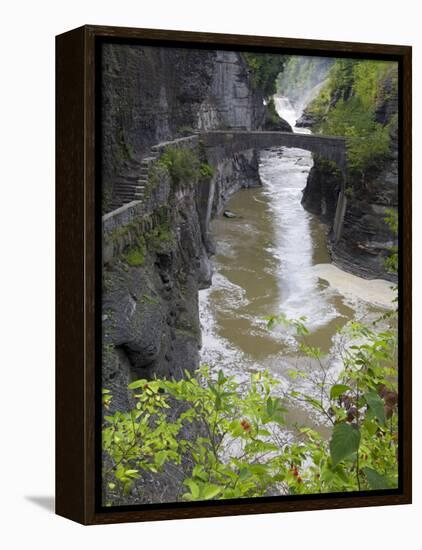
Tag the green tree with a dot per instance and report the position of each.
(265, 69)
(347, 106)
(368, 142)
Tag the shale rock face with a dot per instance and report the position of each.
(231, 102)
(156, 252)
(322, 189)
(155, 263)
(365, 238)
(151, 95)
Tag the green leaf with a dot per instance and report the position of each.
(244, 473)
(337, 390)
(344, 442)
(218, 402)
(258, 469)
(376, 406)
(339, 471)
(160, 458)
(198, 471)
(210, 491)
(194, 489)
(376, 480)
(137, 384)
(370, 426)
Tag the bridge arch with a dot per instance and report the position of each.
(220, 143)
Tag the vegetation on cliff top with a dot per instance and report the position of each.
(348, 105)
(184, 165)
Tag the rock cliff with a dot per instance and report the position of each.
(151, 95)
(365, 240)
(155, 261)
(156, 251)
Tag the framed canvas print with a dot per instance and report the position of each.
(233, 274)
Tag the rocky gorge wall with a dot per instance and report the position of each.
(156, 251)
(365, 240)
(155, 261)
(152, 94)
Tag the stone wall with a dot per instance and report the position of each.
(154, 198)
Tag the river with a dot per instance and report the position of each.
(272, 258)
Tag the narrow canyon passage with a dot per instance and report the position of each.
(272, 258)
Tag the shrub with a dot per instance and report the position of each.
(135, 255)
(238, 446)
(182, 164)
(206, 170)
(347, 106)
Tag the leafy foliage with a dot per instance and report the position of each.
(265, 69)
(361, 405)
(231, 441)
(135, 255)
(368, 142)
(219, 414)
(347, 105)
(184, 165)
(344, 442)
(157, 238)
(205, 170)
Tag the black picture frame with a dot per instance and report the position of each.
(78, 276)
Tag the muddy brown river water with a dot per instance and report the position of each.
(272, 258)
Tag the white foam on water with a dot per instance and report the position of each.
(374, 291)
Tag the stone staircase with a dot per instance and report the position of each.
(131, 185)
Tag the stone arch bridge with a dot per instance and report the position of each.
(220, 143)
(234, 141)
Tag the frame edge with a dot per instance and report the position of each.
(75, 277)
